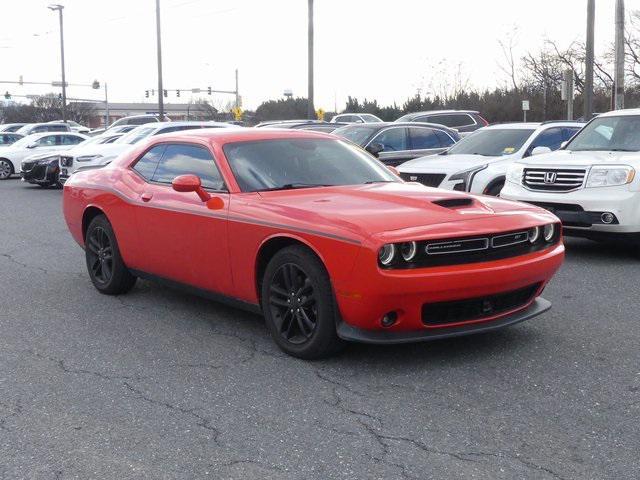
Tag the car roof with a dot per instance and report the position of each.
(381, 125)
(626, 112)
(239, 134)
(436, 112)
(532, 125)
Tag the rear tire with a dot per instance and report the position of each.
(298, 304)
(6, 169)
(107, 271)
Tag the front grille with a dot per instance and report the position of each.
(428, 179)
(553, 179)
(28, 166)
(444, 313)
(66, 161)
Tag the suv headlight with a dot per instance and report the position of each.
(605, 176)
(515, 173)
(88, 158)
(467, 177)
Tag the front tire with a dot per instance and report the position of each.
(6, 169)
(299, 305)
(107, 271)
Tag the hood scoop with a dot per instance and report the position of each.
(454, 202)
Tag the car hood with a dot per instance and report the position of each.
(394, 210)
(447, 163)
(568, 158)
(41, 155)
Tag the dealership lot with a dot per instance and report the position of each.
(161, 384)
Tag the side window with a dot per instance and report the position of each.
(551, 137)
(568, 133)
(70, 140)
(452, 120)
(55, 128)
(181, 159)
(393, 139)
(423, 138)
(39, 129)
(47, 141)
(140, 121)
(146, 165)
(445, 139)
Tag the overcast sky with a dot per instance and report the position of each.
(379, 49)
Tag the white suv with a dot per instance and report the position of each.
(478, 163)
(591, 183)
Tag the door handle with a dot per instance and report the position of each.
(146, 196)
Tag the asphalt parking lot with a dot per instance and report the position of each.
(159, 384)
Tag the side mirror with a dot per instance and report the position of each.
(540, 150)
(375, 148)
(190, 183)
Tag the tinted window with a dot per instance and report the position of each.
(553, 137)
(47, 140)
(69, 140)
(56, 128)
(272, 164)
(359, 134)
(188, 159)
(6, 139)
(40, 129)
(140, 121)
(147, 164)
(393, 139)
(492, 142)
(451, 120)
(445, 138)
(422, 138)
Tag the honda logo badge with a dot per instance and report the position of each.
(550, 177)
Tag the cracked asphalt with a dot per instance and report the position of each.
(158, 384)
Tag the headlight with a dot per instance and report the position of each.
(408, 250)
(386, 254)
(515, 173)
(548, 232)
(88, 158)
(534, 234)
(467, 178)
(610, 176)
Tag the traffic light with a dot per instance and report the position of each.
(7, 95)
(177, 93)
(208, 90)
(164, 93)
(146, 93)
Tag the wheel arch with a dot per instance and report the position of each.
(494, 183)
(89, 214)
(272, 245)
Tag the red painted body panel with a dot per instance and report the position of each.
(176, 236)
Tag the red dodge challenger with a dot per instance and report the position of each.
(314, 233)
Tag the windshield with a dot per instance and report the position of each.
(358, 135)
(370, 118)
(492, 142)
(135, 135)
(299, 163)
(620, 134)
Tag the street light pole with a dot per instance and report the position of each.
(59, 8)
(160, 90)
(106, 106)
(619, 57)
(311, 111)
(588, 71)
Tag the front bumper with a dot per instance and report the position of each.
(353, 334)
(581, 210)
(41, 173)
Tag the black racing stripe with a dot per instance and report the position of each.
(233, 218)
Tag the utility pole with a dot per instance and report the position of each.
(619, 57)
(311, 111)
(567, 92)
(59, 8)
(160, 91)
(106, 106)
(588, 75)
(237, 92)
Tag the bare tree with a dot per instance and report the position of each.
(509, 66)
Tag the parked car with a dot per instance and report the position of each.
(355, 118)
(44, 168)
(323, 240)
(74, 126)
(591, 184)
(284, 123)
(315, 125)
(11, 127)
(9, 138)
(11, 157)
(97, 156)
(395, 143)
(138, 120)
(478, 163)
(31, 128)
(119, 129)
(464, 121)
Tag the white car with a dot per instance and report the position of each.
(592, 184)
(355, 118)
(96, 156)
(478, 163)
(12, 156)
(74, 126)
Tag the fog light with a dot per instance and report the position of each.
(389, 319)
(607, 217)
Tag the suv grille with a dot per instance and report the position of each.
(66, 161)
(428, 179)
(443, 313)
(28, 166)
(553, 179)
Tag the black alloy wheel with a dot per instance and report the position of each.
(299, 305)
(293, 304)
(106, 268)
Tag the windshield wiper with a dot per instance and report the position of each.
(292, 186)
(622, 150)
(379, 181)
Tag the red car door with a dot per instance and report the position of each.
(182, 238)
